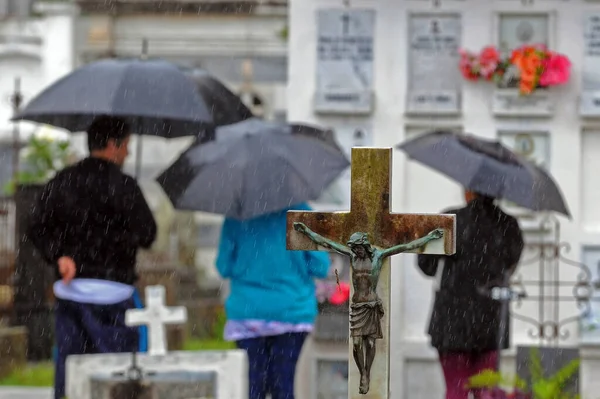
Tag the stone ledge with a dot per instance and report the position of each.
(55, 8)
(237, 7)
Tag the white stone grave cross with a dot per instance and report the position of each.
(155, 315)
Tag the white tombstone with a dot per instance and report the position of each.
(230, 366)
(155, 315)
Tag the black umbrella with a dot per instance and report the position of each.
(154, 96)
(254, 167)
(489, 168)
(226, 107)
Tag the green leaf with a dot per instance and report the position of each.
(486, 379)
(535, 368)
(550, 388)
(519, 383)
(562, 376)
(545, 390)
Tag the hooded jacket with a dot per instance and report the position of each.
(268, 282)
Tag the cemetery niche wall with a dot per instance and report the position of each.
(548, 117)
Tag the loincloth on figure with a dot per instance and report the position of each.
(365, 319)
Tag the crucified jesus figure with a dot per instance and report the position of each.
(366, 309)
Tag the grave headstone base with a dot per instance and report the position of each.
(169, 385)
(230, 367)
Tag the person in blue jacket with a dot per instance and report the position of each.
(272, 303)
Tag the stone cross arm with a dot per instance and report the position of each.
(394, 229)
(370, 212)
(155, 315)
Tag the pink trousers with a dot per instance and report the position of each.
(459, 366)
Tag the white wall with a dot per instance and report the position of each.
(416, 189)
(42, 54)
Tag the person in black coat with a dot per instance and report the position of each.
(89, 223)
(465, 321)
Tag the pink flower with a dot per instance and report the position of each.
(489, 55)
(468, 65)
(488, 62)
(556, 70)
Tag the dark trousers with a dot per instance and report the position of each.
(458, 367)
(87, 329)
(272, 362)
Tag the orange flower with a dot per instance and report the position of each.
(526, 86)
(528, 75)
(529, 60)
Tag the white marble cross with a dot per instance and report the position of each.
(155, 315)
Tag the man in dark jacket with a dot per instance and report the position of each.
(465, 320)
(89, 223)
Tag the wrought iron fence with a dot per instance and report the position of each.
(548, 288)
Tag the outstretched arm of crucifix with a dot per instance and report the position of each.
(320, 240)
(421, 242)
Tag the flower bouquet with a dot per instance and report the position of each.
(528, 67)
(490, 384)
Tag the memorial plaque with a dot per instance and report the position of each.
(509, 102)
(590, 94)
(516, 30)
(434, 78)
(535, 146)
(345, 61)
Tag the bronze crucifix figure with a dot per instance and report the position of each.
(366, 309)
(372, 234)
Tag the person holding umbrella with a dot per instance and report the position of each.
(89, 223)
(465, 322)
(253, 172)
(272, 303)
(468, 327)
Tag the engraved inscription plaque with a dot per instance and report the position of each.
(344, 61)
